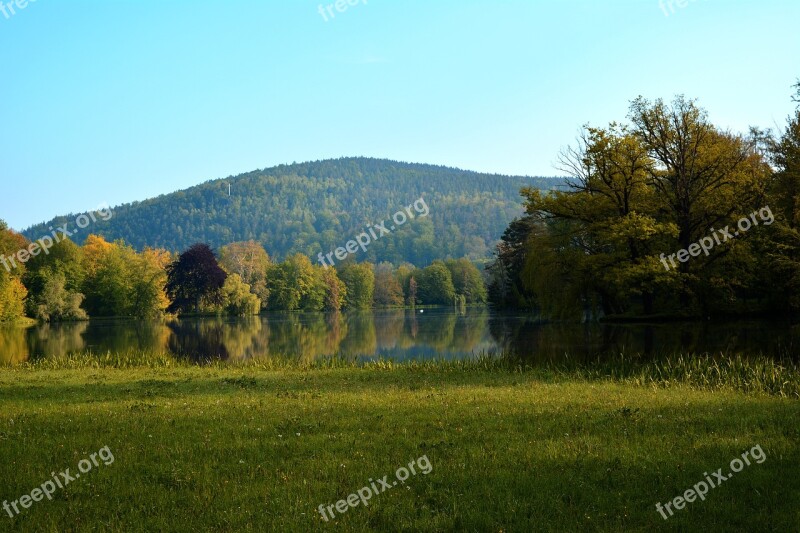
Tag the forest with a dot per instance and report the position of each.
(111, 279)
(634, 233)
(624, 241)
(307, 208)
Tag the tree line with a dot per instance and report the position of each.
(624, 240)
(308, 207)
(112, 279)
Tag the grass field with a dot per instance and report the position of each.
(261, 447)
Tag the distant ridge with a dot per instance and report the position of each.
(317, 206)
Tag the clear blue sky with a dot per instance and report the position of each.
(123, 100)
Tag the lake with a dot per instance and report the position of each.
(396, 334)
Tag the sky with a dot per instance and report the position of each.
(116, 101)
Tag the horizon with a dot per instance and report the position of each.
(264, 169)
(143, 99)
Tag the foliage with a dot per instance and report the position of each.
(56, 303)
(250, 261)
(467, 280)
(315, 207)
(435, 285)
(194, 279)
(335, 290)
(782, 271)
(504, 272)
(360, 282)
(295, 284)
(12, 297)
(638, 193)
(237, 298)
(12, 290)
(388, 291)
(54, 281)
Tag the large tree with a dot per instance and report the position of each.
(195, 279)
(388, 291)
(296, 284)
(54, 281)
(654, 187)
(360, 282)
(12, 291)
(251, 262)
(435, 285)
(467, 280)
(783, 249)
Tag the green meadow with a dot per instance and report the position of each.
(260, 446)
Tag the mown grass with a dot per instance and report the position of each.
(258, 446)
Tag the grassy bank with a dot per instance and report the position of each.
(260, 446)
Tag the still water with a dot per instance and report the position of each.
(396, 334)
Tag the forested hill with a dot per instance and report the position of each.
(316, 207)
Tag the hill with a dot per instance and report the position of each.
(315, 207)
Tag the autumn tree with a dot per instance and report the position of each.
(388, 292)
(120, 282)
(250, 261)
(335, 289)
(12, 290)
(413, 290)
(637, 192)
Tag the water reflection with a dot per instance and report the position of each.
(537, 342)
(13, 345)
(57, 340)
(397, 334)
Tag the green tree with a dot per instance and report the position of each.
(55, 303)
(360, 282)
(54, 282)
(108, 283)
(467, 280)
(782, 270)
(505, 271)
(120, 282)
(295, 284)
(436, 285)
(238, 300)
(636, 195)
